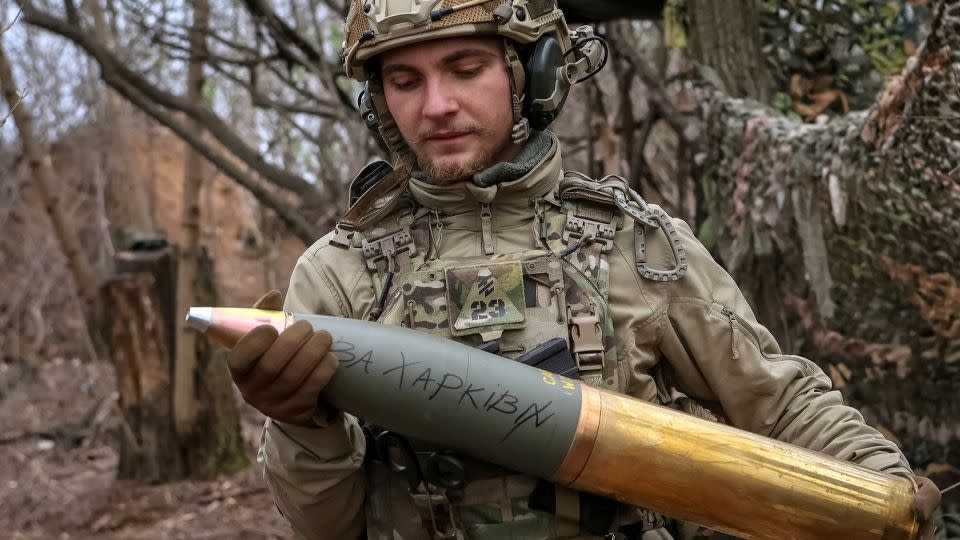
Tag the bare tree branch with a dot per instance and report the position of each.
(13, 22)
(289, 41)
(42, 172)
(305, 231)
(20, 98)
(115, 74)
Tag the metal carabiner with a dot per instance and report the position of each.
(651, 215)
(662, 221)
(641, 214)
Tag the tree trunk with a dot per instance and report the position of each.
(128, 199)
(42, 173)
(205, 412)
(725, 35)
(204, 407)
(850, 228)
(216, 444)
(85, 280)
(186, 403)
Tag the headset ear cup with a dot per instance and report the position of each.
(367, 113)
(546, 89)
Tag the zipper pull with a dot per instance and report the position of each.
(486, 228)
(733, 331)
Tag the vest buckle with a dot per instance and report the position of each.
(342, 236)
(388, 246)
(596, 230)
(586, 339)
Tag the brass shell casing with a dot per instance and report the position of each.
(728, 479)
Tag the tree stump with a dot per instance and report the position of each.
(140, 323)
(140, 342)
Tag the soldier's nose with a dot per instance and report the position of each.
(439, 101)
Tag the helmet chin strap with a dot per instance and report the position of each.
(518, 81)
(387, 126)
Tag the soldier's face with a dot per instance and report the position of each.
(451, 100)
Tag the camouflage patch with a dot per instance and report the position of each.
(423, 304)
(485, 296)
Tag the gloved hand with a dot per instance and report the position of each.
(282, 375)
(925, 503)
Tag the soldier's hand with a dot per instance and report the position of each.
(282, 375)
(925, 503)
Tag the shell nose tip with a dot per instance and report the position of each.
(200, 318)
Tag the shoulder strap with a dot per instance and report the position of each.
(613, 191)
(377, 202)
(394, 244)
(590, 223)
(367, 178)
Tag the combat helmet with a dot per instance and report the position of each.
(544, 59)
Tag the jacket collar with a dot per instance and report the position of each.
(510, 200)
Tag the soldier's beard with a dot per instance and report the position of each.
(450, 173)
(442, 173)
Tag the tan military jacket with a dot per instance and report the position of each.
(696, 335)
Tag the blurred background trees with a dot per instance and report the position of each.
(202, 144)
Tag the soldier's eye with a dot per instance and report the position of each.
(405, 83)
(468, 73)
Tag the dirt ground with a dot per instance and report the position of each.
(58, 425)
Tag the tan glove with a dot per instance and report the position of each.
(282, 375)
(925, 503)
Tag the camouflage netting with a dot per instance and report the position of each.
(855, 224)
(827, 53)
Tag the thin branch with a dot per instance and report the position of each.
(13, 22)
(261, 100)
(20, 98)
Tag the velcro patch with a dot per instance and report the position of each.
(485, 296)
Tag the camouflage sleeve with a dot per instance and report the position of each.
(717, 352)
(315, 474)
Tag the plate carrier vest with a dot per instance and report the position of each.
(517, 301)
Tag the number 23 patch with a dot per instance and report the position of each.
(484, 296)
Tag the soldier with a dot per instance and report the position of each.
(453, 242)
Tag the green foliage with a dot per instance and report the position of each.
(209, 91)
(707, 234)
(335, 35)
(674, 35)
(783, 104)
